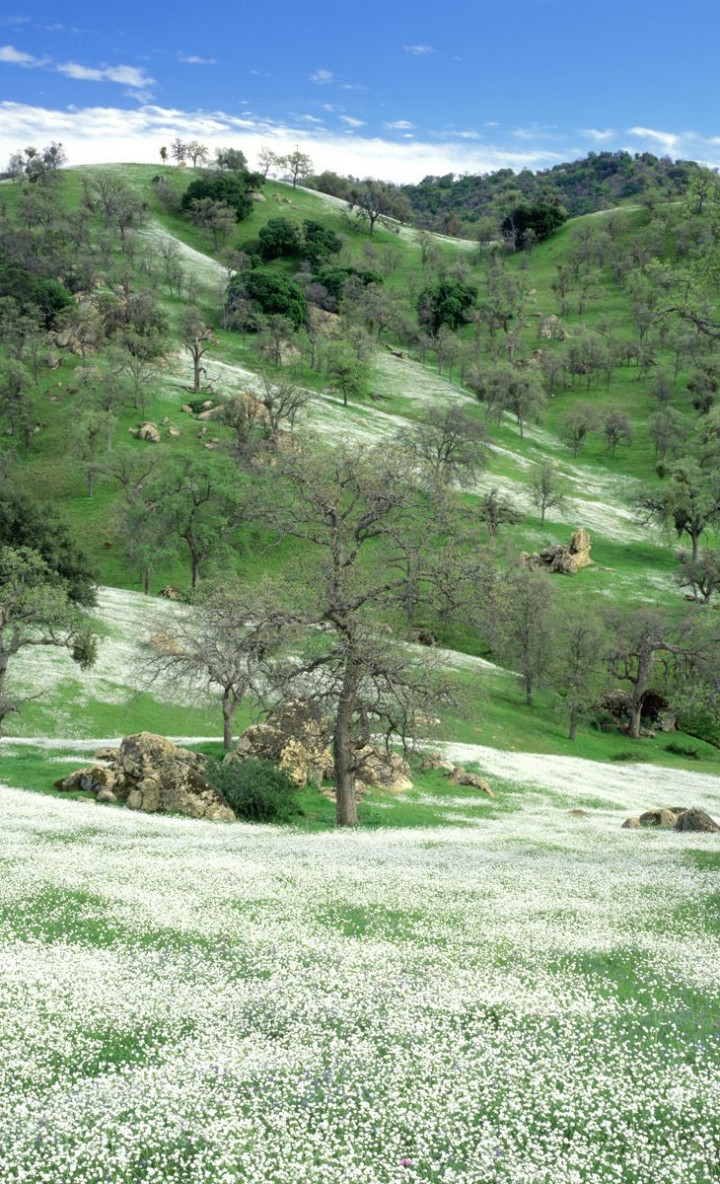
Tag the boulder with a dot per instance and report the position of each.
(474, 780)
(631, 824)
(383, 768)
(296, 737)
(561, 558)
(107, 753)
(697, 820)
(663, 818)
(150, 773)
(435, 761)
(169, 592)
(147, 431)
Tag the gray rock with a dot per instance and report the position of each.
(697, 820)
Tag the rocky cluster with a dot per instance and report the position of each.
(674, 818)
(150, 773)
(562, 558)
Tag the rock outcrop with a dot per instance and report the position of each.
(563, 559)
(678, 818)
(383, 768)
(296, 737)
(150, 773)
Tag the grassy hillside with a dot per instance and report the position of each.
(631, 564)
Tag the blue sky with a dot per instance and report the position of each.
(390, 89)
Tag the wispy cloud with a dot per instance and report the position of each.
(419, 51)
(131, 76)
(399, 125)
(193, 59)
(322, 77)
(668, 140)
(16, 57)
(600, 136)
(351, 121)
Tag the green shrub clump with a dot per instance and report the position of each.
(257, 790)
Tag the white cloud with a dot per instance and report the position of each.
(419, 51)
(102, 135)
(192, 59)
(351, 122)
(322, 77)
(668, 140)
(594, 133)
(130, 76)
(399, 125)
(16, 57)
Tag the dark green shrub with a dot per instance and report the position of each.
(257, 790)
(279, 238)
(271, 293)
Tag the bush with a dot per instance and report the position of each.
(257, 790)
(271, 293)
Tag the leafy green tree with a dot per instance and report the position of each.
(319, 242)
(297, 166)
(270, 293)
(231, 160)
(445, 302)
(34, 291)
(36, 609)
(196, 501)
(279, 238)
(233, 188)
(16, 402)
(687, 500)
(375, 202)
(36, 526)
(346, 371)
(542, 219)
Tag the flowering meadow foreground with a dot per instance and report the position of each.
(532, 998)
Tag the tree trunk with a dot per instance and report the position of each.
(227, 713)
(344, 755)
(195, 562)
(572, 732)
(635, 714)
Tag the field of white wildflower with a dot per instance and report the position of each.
(530, 1000)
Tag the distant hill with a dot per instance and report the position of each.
(452, 204)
